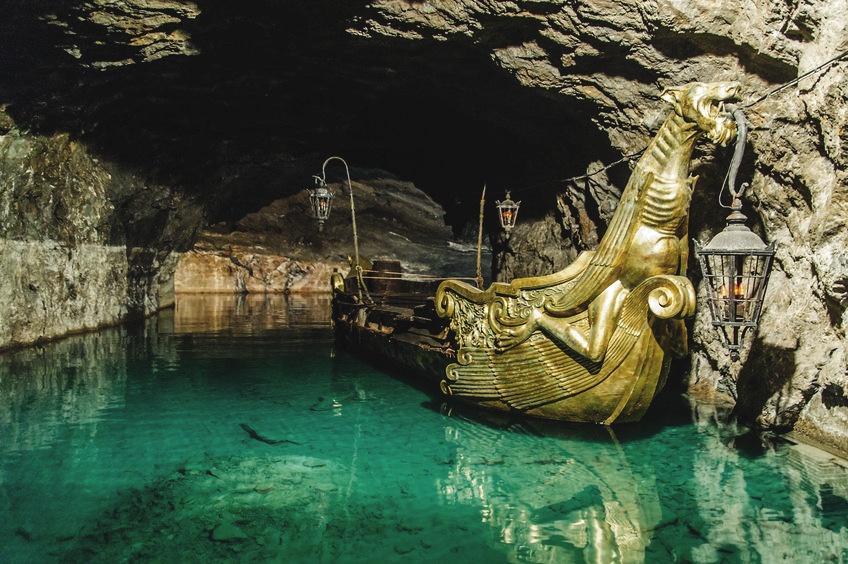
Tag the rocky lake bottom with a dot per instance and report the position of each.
(234, 429)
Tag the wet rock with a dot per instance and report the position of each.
(270, 537)
(405, 547)
(227, 532)
(72, 255)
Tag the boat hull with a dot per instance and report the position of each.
(425, 356)
(538, 378)
(393, 320)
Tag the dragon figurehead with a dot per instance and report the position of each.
(596, 326)
(702, 104)
(647, 235)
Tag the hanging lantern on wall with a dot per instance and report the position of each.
(736, 264)
(320, 200)
(507, 213)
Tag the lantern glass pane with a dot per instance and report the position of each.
(735, 283)
(507, 213)
(507, 217)
(320, 200)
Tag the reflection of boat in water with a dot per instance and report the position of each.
(591, 343)
(572, 500)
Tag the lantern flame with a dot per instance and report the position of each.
(738, 291)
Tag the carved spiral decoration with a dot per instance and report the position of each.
(445, 387)
(672, 296)
(463, 357)
(500, 317)
(445, 303)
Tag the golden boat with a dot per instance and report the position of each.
(591, 343)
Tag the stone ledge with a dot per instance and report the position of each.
(247, 271)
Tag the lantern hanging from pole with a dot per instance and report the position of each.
(736, 264)
(320, 200)
(507, 213)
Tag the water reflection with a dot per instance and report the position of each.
(111, 439)
(572, 499)
(707, 492)
(65, 382)
(74, 380)
(249, 314)
(759, 498)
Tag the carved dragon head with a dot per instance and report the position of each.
(702, 103)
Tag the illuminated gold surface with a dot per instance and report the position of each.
(593, 341)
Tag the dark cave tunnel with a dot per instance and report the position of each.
(274, 88)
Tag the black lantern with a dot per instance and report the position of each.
(736, 265)
(507, 212)
(320, 200)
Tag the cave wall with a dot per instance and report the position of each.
(59, 269)
(128, 125)
(81, 245)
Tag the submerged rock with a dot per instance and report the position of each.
(227, 532)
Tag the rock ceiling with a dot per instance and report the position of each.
(227, 99)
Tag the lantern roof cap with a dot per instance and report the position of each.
(736, 238)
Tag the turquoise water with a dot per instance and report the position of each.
(233, 429)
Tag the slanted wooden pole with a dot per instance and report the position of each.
(480, 240)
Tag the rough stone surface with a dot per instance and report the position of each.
(249, 271)
(50, 289)
(227, 532)
(279, 249)
(67, 262)
(224, 108)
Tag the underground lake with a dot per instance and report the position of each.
(232, 428)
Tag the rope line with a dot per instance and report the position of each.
(797, 80)
(625, 158)
(408, 277)
(632, 156)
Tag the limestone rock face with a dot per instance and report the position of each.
(66, 261)
(279, 249)
(249, 271)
